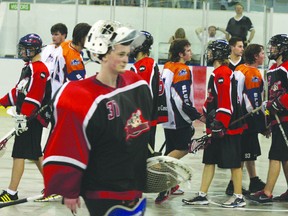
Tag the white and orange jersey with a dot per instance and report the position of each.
(177, 78)
(68, 66)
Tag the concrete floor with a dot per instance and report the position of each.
(32, 184)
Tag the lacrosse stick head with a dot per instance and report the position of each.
(165, 172)
(198, 144)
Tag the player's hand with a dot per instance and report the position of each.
(218, 129)
(20, 124)
(72, 204)
(274, 106)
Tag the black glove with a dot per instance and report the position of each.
(274, 104)
(218, 129)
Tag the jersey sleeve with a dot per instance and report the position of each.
(67, 152)
(222, 82)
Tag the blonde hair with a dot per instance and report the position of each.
(180, 33)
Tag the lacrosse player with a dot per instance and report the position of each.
(225, 147)
(277, 78)
(177, 78)
(98, 145)
(148, 69)
(31, 93)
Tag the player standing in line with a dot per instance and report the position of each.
(59, 33)
(225, 147)
(148, 69)
(277, 78)
(104, 159)
(69, 61)
(251, 87)
(237, 49)
(32, 92)
(235, 59)
(177, 78)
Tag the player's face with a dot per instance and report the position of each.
(187, 55)
(259, 59)
(58, 38)
(118, 58)
(239, 9)
(238, 48)
(212, 31)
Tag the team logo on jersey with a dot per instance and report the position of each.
(75, 62)
(182, 72)
(221, 80)
(42, 75)
(142, 68)
(136, 125)
(255, 79)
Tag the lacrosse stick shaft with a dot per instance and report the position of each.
(28, 199)
(281, 129)
(162, 147)
(246, 115)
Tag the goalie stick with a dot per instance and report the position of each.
(19, 201)
(12, 132)
(196, 144)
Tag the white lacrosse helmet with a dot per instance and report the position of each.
(105, 34)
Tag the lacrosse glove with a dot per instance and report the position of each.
(274, 104)
(218, 129)
(20, 124)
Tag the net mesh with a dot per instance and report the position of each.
(164, 172)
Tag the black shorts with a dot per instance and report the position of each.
(28, 144)
(225, 152)
(250, 147)
(177, 139)
(279, 150)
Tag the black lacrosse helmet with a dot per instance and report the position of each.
(29, 46)
(217, 50)
(144, 46)
(280, 43)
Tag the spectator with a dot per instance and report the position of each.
(239, 25)
(212, 34)
(179, 34)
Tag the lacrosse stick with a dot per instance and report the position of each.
(200, 143)
(281, 128)
(11, 133)
(19, 201)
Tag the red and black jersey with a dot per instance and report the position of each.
(222, 98)
(277, 79)
(31, 92)
(98, 144)
(148, 69)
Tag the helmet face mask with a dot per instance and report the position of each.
(29, 46)
(217, 50)
(277, 46)
(104, 35)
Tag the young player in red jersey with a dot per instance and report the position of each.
(148, 69)
(225, 147)
(31, 93)
(277, 80)
(98, 145)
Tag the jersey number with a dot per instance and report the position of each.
(113, 108)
